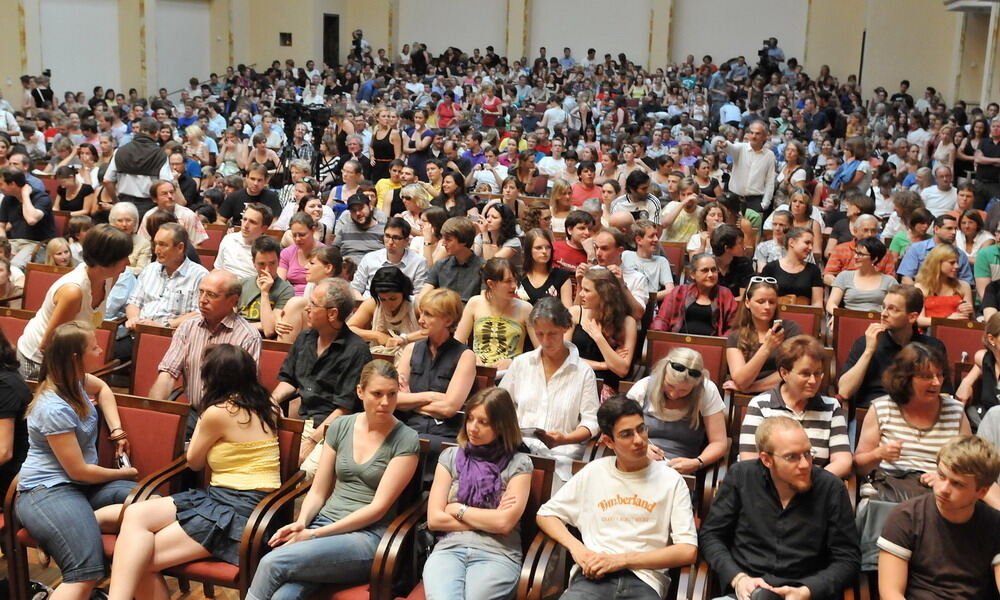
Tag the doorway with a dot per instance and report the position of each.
(331, 40)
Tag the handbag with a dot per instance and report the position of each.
(896, 488)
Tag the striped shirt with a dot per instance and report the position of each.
(822, 419)
(920, 447)
(183, 358)
(161, 297)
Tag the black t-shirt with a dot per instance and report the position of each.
(886, 350)
(10, 212)
(738, 276)
(232, 207)
(945, 559)
(14, 398)
(798, 284)
(991, 297)
(550, 287)
(988, 173)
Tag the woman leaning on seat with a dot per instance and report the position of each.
(351, 501)
(67, 499)
(479, 494)
(683, 411)
(236, 437)
(79, 295)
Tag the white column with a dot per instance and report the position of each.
(990, 59)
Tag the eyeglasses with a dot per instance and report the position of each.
(628, 434)
(313, 305)
(861, 254)
(682, 368)
(397, 238)
(809, 455)
(759, 279)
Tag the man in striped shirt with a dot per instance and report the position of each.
(216, 323)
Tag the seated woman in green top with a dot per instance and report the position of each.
(916, 231)
(496, 320)
(367, 460)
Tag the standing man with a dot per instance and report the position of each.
(753, 171)
(987, 159)
(135, 166)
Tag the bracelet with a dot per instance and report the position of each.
(117, 429)
(461, 512)
(700, 461)
(120, 436)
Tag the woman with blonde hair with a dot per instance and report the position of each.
(683, 411)
(195, 147)
(561, 201)
(58, 254)
(945, 295)
(416, 197)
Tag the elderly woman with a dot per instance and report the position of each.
(554, 389)
(683, 411)
(436, 374)
(125, 217)
(701, 307)
(800, 366)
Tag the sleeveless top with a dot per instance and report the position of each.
(404, 321)
(384, 152)
(988, 392)
(433, 374)
(550, 287)
(245, 465)
(495, 338)
(588, 349)
(942, 306)
(920, 446)
(34, 331)
(76, 202)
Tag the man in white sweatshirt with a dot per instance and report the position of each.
(626, 507)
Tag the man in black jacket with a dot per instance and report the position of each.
(781, 523)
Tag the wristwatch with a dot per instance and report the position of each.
(461, 512)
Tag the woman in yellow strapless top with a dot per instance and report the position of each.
(496, 320)
(236, 437)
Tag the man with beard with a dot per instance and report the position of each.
(361, 233)
(781, 523)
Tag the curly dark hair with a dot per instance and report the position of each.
(913, 360)
(230, 375)
(508, 226)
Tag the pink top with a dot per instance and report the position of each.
(295, 271)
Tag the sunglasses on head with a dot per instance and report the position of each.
(681, 368)
(759, 279)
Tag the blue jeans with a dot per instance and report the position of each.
(295, 571)
(62, 519)
(469, 573)
(623, 585)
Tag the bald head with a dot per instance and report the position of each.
(621, 220)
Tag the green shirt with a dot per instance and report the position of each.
(249, 305)
(356, 484)
(988, 263)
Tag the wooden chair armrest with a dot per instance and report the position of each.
(108, 368)
(551, 558)
(528, 565)
(390, 557)
(253, 542)
(12, 297)
(702, 582)
(144, 488)
(852, 489)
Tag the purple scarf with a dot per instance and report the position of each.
(479, 468)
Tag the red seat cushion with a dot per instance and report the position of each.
(357, 592)
(108, 540)
(209, 570)
(24, 538)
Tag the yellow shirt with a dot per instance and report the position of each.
(383, 191)
(246, 465)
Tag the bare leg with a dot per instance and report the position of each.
(107, 517)
(73, 591)
(135, 547)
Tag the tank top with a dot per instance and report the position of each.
(495, 338)
(941, 306)
(920, 446)
(588, 349)
(988, 389)
(245, 465)
(34, 331)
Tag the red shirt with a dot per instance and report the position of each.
(567, 256)
(580, 193)
(490, 118)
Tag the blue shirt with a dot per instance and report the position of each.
(51, 415)
(916, 254)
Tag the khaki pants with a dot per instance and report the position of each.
(311, 462)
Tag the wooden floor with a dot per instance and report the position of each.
(50, 577)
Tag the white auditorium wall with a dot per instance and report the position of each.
(182, 42)
(606, 26)
(441, 23)
(725, 29)
(79, 43)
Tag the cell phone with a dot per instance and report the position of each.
(764, 594)
(778, 325)
(124, 462)
(534, 432)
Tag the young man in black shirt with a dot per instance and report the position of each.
(231, 210)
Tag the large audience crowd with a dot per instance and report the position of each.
(541, 218)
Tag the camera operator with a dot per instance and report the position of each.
(771, 57)
(359, 46)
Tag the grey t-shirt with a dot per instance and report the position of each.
(855, 299)
(508, 545)
(356, 484)
(989, 429)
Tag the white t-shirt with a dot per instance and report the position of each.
(618, 512)
(938, 202)
(815, 215)
(656, 269)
